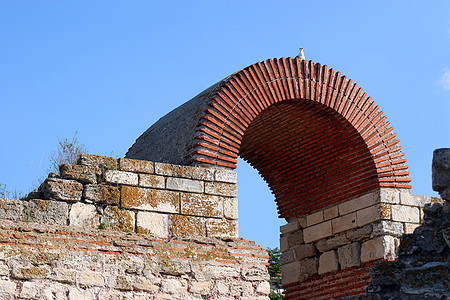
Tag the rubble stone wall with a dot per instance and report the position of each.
(54, 262)
(334, 248)
(134, 196)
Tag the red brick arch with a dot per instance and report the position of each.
(313, 135)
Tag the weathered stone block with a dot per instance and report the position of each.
(359, 234)
(4, 270)
(263, 288)
(7, 287)
(102, 162)
(404, 213)
(284, 245)
(317, 232)
(441, 169)
(153, 223)
(221, 189)
(314, 218)
(290, 273)
(387, 227)
(121, 177)
(409, 228)
(201, 205)
(328, 262)
(102, 193)
(27, 273)
(83, 215)
(124, 283)
(287, 257)
(47, 212)
(344, 223)
(240, 288)
(219, 271)
(135, 165)
(152, 181)
(118, 219)
(379, 248)
(197, 173)
(29, 290)
(358, 203)
(332, 243)
(225, 176)
(185, 185)
(13, 209)
(388, 195)
(308, 267)
(65, 275)
(187, 226)
(173, 286)
(255, 273)
(330, 213)
(290, 227)
(304, 251)
(349, 255)
(91, 278)
(406, 198)
(84, 174)
(373, 213)
(221, 228)
(150, 199)
(144, 284)
(62, 189)
(76, 294)
(201, 287)
(230, 208)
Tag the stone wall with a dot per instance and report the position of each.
(335, 247)
(134, 196)
(54, 262)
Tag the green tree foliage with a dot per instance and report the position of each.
(275, 273)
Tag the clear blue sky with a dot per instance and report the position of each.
(110, 69)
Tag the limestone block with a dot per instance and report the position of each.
(406, 198)
(118, 219)
(359, 203)
(4, 270)
(284, 245)
(330, 213)
(48, 212)
(240, 288)
(7, 287)
(441, 169)
(62, 189)
(290, 273)
(349, 255)
(187, 226)
(197, 173)
(173, 286)
(225, 176)
(145, 284)
(221, 288)
(373, 213)
(287, 257)
(379, 248)
(201, 287)
(84, 174)
(150, 199)
(123, 283)
(14, 210)
(221, 228)
(388, 195)
(102, 193)
(185, 185)
(332, 243)
(304, 251)
(404, 213)
(359, 234)
(409, 228)
(219, 271)
(153, 223)
(201, 205)
(255, 273)
(263, 288)
(328, 262)
(230, 208)
(344, 223)
(76, 294)
(29, 290)
(290, 227)
(314, 218)
(65, 275)
(136, 166)
(295, 238)
(317, 232)
(121, 177)
(103, 162)
(152, 181)
(90, 278)
(387, 227)
(308, 267)
(83, 215)
(221, 189)
(28, 273)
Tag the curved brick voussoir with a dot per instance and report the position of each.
(313, 135)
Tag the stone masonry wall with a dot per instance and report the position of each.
(134, 196)
(335, 247)
(54, 262)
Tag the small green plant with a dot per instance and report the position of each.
(67, 152)
(102, 225)
(4, 193)
(2, 190)
(27, 214)
(274, 270)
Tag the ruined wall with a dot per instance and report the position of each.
(329, 253)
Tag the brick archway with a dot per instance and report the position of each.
(313, 135)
